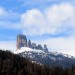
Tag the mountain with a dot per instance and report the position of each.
(22, 41)
(48, 58)
(13, 64)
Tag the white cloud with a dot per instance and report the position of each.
(33, 20)
(53, 20)
(2, 11)
(8, 45)
(60, 13)
(10, 25)
(9, 19)
(56, 19)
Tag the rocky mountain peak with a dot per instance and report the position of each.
(23, 42)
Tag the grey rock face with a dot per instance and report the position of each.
(21, 41)
(45, 48)
(33, 45)
(39, 47)
(29, 44)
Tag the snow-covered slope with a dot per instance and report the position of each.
(47, 58)
(27, 49)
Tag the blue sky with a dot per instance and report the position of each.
(43, 21)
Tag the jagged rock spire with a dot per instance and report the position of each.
(29, 44)
(21, 41)
(45, 48)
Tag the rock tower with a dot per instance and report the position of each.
(21, 41)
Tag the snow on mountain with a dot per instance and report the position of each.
(47, 58)
(27, 49)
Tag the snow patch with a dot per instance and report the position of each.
(27, 49)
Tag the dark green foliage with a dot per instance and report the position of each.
(11, 64)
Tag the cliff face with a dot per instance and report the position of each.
(21, 41)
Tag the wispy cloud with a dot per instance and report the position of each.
(52, 20)
(43, 3)
(56, 19)
(9, 19)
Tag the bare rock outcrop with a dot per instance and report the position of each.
(21, 41)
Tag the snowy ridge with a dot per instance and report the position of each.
(47, 58)
(27, 49)
(65, 55)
